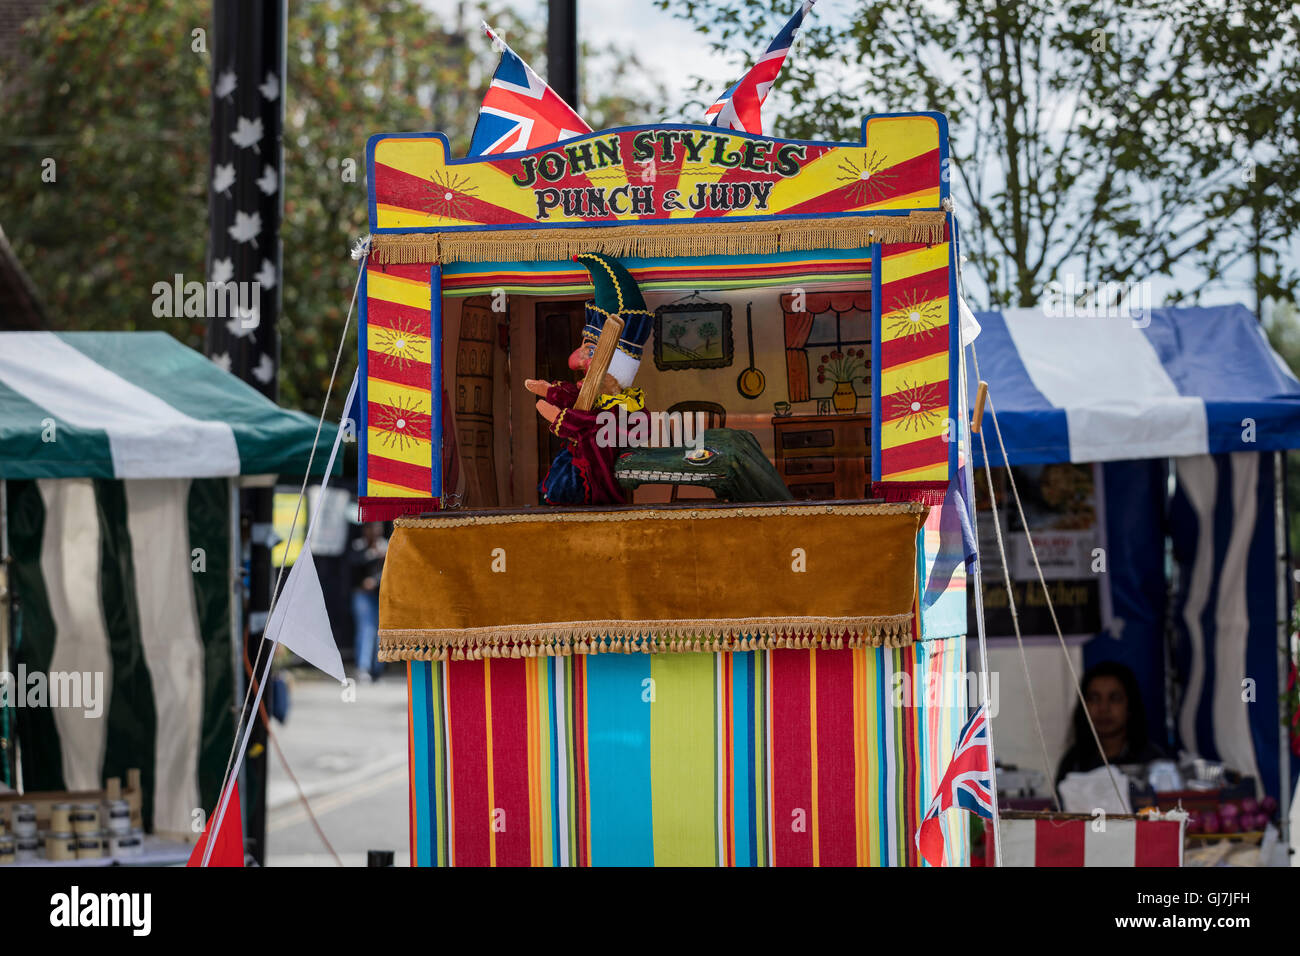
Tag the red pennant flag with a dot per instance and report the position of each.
(229, 848)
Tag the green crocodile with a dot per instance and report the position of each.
(730, 462)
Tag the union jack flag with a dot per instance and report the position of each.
(519, 110)
(967, 784)
(741, 106)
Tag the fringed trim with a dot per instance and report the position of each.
(653, 637)
(658, 241)
(929, 493)
(664, 514)
(387, 509)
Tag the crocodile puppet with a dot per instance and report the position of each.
(731, 463)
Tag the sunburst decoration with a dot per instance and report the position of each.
(913, 315)
(916, 407)
(404, 343)
(869, 182)
(400, 423)
(448, 195)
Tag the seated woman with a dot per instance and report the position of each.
(1115, 705)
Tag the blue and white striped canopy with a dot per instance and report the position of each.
(1193, 381)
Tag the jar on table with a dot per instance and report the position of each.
(119, 816)
(61, 846)
(124, 846)
(61, 818)
(90, 846)
(27, 849)
(24, 820)
(8, 851)
(85, 818)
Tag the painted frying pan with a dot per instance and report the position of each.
(751, 381)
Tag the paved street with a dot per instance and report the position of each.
(350, 758)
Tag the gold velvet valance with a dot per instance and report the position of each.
(649, 580)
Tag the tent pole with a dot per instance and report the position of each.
(1283, 644)
(6, 618)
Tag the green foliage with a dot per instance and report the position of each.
(1283, 329)
(1115, 141)
(115, 94)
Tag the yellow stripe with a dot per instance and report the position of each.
(921, 199)
(491, 783)
(937, 472)
(904, 265)
(894, 433)
(397, 217)
(382, 489)
(400, 396)
(407, 292)
(922, 371)
(903, 137)
(414, 347)
(414, 451)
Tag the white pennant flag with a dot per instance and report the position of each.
(300, 621)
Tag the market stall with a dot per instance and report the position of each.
(726, 645)
(1146, 446)
(121, 456)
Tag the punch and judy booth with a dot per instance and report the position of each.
(702, 613)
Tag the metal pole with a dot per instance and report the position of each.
(562, 49)
(6, 602)
(1283, 643)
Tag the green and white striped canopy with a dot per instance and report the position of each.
(138, 405)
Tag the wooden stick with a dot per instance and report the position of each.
(606, 345)
(977, 419)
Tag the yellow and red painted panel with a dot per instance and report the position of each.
(658, 173)
(399, 354)
(913, 370)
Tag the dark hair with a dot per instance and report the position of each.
(1135, 730)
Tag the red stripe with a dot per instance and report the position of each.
(415, 271)
(389, 368)
(836, 826)
(510, 762)
(918, 288)
(1158, 843)
(791, 759)
(393, 472)
(471, 813)
(1059, 843)
(393, 187)
(912, 348)
(911, 768)
(385, 418)
(414, 822)
(386, 509)
(541, 280)
(916, 454)
(729, 754)
(382, 313)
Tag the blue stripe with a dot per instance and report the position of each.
(435, 376)
(1035, 431)
(618, 722)
(425, 808)
(742, 755)
(363, 391)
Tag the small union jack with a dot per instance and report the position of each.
(519, 110)
(741, 106)
(967, 784)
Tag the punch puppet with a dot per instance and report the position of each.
(583, 472)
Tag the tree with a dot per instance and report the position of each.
(1114, 141)
(116, 94)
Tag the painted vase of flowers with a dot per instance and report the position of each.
(844, 368)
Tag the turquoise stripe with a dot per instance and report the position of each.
(618, 722)
(425, 815)
(31, 448)
(742, 756)
(270, 439)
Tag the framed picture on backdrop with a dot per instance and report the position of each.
(693, 335)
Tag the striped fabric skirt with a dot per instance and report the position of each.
(766, 758)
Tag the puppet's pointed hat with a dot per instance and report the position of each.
(617, 294)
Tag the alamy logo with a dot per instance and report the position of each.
(132, 910)
(53, 689)
(650, 429)
(208, 300)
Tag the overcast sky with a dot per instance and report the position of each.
(676, 53)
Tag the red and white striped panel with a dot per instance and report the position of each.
(1126, 841)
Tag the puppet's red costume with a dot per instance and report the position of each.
(583, 472)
